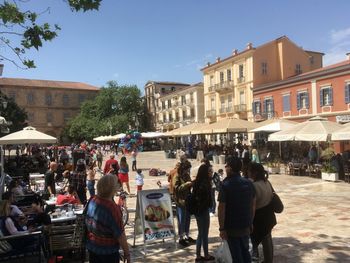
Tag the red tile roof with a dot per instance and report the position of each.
(46, 84)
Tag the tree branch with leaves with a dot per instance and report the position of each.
(20, 30)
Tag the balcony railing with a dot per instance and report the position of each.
(240, 79)
(211, 88)
(224, 86)
(210, 113)
(240, 107)
(265, 115)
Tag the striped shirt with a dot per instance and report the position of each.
(104, 226)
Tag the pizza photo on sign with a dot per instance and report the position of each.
(156, 213)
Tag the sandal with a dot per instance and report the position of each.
(209, 258)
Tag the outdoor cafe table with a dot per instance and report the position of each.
(65, 217)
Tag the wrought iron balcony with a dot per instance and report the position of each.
(241, 108)
(211, 88)
(210, 113)
(240, 80)
(224, 86)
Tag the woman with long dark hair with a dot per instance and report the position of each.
(264, 219)
(202, 195)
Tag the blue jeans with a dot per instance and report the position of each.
(91, 187)
(213, 201)
(239, 248)
(183, 219)
(203, 222)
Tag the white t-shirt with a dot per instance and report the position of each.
(139, 179)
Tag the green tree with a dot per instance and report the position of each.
(20, 30)
(113, 110)
(13, 114)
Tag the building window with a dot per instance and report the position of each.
(81, 98)
(65, 100)
(242, 97)
(211, 80)
(264, 68)
(66, 116)
(312, 60)
(31, 116)
(49, 117)
(326, 96)
(192, 113)
(256, 107)
(298, 69)
(48, 99)
(229, 103)
(169, 103)
(286, 102)
(241, 71)
(163, 105)
(221, 77)
(303, 100)
(212, 103)
(30, 98)
(229, 76)
(183, 100)
(347, 92)
(269, 107)
(223, 104)
(12, 95)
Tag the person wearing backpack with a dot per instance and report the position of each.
(201, 194)
(182, 188)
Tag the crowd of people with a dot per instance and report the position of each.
(244, 209)
(240, 197)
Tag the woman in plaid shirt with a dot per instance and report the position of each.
(78, 180)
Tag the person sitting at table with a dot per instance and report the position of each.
(15, 213)
(40, 216)
(70, 197)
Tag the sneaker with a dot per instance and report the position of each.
(209, 258)
(183, 243)
(190, 240)
(212, 214)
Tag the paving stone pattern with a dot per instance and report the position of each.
(314, 227)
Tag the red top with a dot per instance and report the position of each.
(108, 165)
(66, 199)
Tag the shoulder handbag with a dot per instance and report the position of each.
(276, 202)
(191, 203)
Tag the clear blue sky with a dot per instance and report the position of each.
(133, 41)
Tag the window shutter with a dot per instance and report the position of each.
(253, 108)
(298, 101)
(259, 106)
(307, 99)
(330, 96)
(264, 106)
(287, 102)
(347, 99)
(321, 98)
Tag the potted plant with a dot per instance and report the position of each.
(328, 171)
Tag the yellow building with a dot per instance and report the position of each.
(49, 104)
(153, 91)
(179, 108)
(229, 83)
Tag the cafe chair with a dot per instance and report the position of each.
(346, 173)
(31, 253)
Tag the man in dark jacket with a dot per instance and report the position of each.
(236, 210)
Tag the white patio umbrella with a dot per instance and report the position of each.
(118, 136)
(152, 134)
(276, 125)
(227, 125)
(99, 138)
(342, 134)
(316, 129)
(27, 135)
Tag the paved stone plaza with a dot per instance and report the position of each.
(314, 227)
